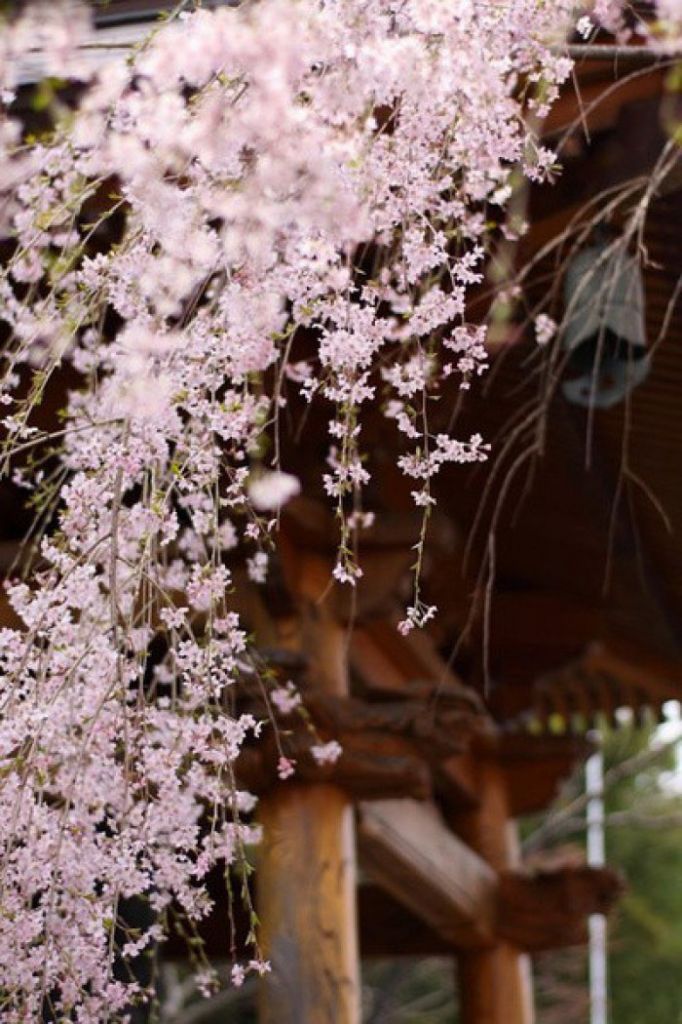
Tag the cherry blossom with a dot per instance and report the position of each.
(239, 164)
(545, 329)
(326, 753)
(286, 698)
(272, 490)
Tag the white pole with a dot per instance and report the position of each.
(594, 782)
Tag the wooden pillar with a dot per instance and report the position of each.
(306, 875)
(494, 983)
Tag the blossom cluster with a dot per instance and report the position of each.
(659, 22)
(256, 172)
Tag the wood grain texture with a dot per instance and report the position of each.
(495, 985)
(408, 850)
(550, 909)
(306, 879)
(306, 894)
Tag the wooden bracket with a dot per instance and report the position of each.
(550, 909)
(389, 749)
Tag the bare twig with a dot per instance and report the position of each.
(561, 821)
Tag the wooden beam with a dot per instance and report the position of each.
(597, 105)
(660, 680)
(638, 54)
(407, 849)
(385, 662)
(390, 748)
(384, 552)
(540, 910)
(306, 884)
(534, 767)
(607, 677)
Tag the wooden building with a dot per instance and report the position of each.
(557, 570)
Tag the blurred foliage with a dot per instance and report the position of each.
(644, 841)
(409, 991)
(646, 936)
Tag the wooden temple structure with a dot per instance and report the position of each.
(557, 570)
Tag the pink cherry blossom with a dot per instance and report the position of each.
(271, 490)
(256, 151)
(285, 768)
(326, 753)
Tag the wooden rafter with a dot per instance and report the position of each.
(407, 849)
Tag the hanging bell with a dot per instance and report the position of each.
(604, 327)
